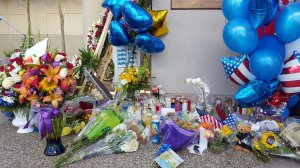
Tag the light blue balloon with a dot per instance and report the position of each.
(118, 34)
(287, 24)
(240, 36)
(266, 64)
(136, 17)
(149, 43)
(235, 9)
(271, 42)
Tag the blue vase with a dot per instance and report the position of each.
(54, 147)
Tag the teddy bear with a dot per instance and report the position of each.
(243, 138)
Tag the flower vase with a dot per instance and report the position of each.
(54, 144)
(21, 119)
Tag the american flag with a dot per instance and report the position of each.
(210, 119)
(237, 69)
(290, 74)
(230, 120)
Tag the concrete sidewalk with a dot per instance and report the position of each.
(26, 151)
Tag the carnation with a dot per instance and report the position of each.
(8, 83)
(63, 72)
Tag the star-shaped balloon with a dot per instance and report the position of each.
(237, 69)
(159, 26)
(255, 92)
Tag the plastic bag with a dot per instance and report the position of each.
(176, 136)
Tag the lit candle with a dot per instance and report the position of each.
(184, 107)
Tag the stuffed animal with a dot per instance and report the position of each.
(243, 138)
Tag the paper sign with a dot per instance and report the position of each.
(168, 159)
(37, 50)
(165, 111)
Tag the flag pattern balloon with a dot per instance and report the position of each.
(237, 69)
(290, 75)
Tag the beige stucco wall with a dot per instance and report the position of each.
(45, 19)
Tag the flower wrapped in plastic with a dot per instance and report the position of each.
(176, 136)
(121, 140)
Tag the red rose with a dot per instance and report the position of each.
(63, 54)
(17, 85)
(69, 65)
(11, 67)
(2, 69)
(97, 33)
(18, 61)
(85, 105)
(17, 50)
(97, 26)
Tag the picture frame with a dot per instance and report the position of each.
(195, 4)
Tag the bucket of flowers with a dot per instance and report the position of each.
(10, 80)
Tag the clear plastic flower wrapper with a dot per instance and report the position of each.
(79, 105)
(122, 139)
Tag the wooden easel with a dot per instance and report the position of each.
(100, 48)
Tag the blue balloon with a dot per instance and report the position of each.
(287, 24)
(262, 11)
(293, 101)
(266, 64)
(149, 43)
(240, 36)
(136, 17)
(285, 114)
(235, 9)
(115, 6)
(255, 93)
(118, 34)
(272, 43)
(273, 11)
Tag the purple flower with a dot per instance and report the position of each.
(55, 63)
(31, 90)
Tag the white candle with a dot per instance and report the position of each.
(168, 102)
(184, 107)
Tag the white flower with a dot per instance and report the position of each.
(121, 127)
(188, 80)
(58, 58)
(3, 75)
(63, 72)
(194, 81)
(123, 82)
(15, 55)
(8, 99)
(130, 146)
(15, 77)
(7, 83)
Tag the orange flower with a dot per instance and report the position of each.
(206, 126)
(54, 98)
(33, 98)
(52, 73)
(67, 83)
(23, 94)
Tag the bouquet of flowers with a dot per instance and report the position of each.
(45, 85)
(10, 79)
(121, 140)
(134, 79)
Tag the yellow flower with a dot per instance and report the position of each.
(256, 145)
(77, 129)
(280, 124)
(48, 85)
(269, 140)
(66, 131)
(21, 72)
(82, 124)
(226, 130)
(118, 89)
(54, 98)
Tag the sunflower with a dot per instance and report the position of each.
(48, 86)
(269, 140)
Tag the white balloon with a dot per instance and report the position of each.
(291, 47)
